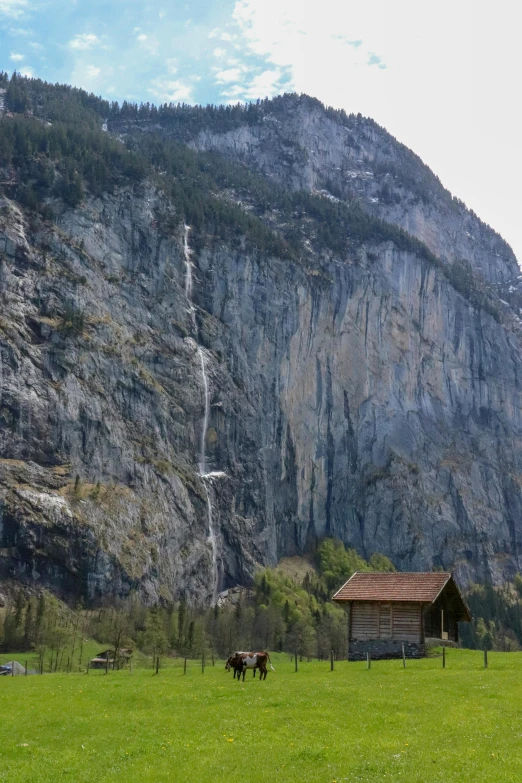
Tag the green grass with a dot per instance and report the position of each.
(421, 724)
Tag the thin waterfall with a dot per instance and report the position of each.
(206, 475)
(203, 447)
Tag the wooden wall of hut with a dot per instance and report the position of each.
(370, 620)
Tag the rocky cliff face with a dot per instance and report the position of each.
(359, 396)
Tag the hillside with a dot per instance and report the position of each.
(228, 333)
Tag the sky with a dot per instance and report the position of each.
(443, 77)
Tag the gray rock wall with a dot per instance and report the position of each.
(365, 399)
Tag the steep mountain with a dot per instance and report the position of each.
(295, 141)
(226, 333)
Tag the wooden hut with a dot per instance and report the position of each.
(389, 610)
(117, 661)
(103, 660)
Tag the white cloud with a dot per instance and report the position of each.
(441, 78)
(83, 41)
(13, 8)
(262, 85)
(24, 32)
(229, 75)
(27, 71)
(265, 84)
(148, 43)
(91, 77)
(16, 58)
(172, 65)
(171, 90)
(219, 52)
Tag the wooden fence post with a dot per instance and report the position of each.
(185, 666)
(443, 657)
(157, 664)
(26, 668)
(331, 660)
(403, 658)
(130, 665)
(295, 659)
(88, 667)
(485, 657)
(202, 663)
(107, 663)
(368, 661)
(12, 668)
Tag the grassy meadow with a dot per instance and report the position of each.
(421, 724)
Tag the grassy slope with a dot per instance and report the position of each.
(423, 724)
(296, 567)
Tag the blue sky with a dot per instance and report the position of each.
(142, 51)
(443, 77)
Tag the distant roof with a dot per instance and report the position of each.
(413, 587)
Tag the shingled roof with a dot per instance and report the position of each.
(423, 588)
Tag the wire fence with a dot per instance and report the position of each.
(156, 664)
(56, 664)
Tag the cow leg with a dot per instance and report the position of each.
(254, 673)
(244, 672)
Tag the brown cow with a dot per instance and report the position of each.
(233, 662)
(253, 661)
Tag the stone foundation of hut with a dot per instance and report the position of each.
(384, 649)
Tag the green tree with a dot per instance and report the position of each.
(155, 639)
